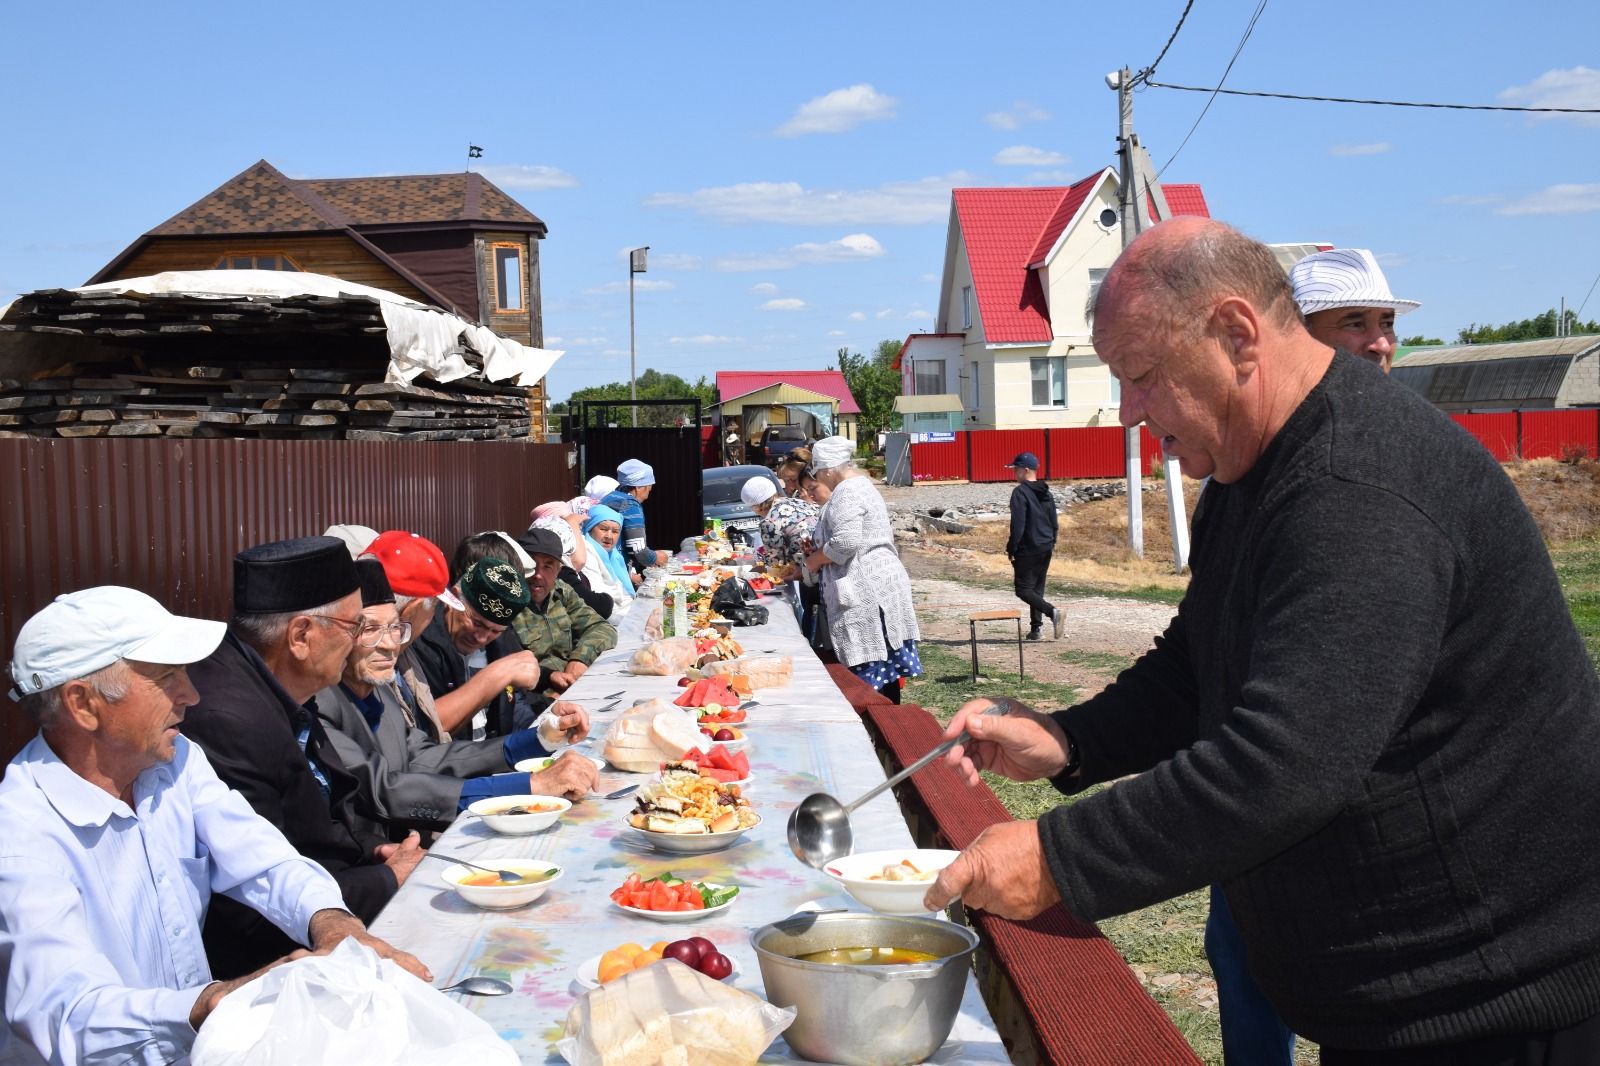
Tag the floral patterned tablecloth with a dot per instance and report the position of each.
(804, 738)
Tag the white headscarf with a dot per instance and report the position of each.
(599, 487)
(830, 452)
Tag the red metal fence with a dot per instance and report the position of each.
(167, 516)
(1097, 451)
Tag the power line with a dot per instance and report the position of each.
(1249, 28)
(1381, 103)
(1151, 69)
(1592, 284)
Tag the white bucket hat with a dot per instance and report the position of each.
(81, 632)
(757, 490)
(1343, 277)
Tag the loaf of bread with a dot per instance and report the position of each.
(760, 671)
(651, 734)
(664, 657)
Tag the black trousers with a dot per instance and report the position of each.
(1576, 1045)
(1029, 573)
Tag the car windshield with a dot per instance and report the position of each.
(786, 433)
(721, 492)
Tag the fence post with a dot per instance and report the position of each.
(967, 438)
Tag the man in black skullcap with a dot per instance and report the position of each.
(473, 662)
(412, 779)
(296, 610)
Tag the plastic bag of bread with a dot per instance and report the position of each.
(762, 671)
(650, 734)
(652, 625)
(667, 1014)
(671, 656)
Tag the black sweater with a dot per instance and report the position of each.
(1033, 519)
(1373, 721)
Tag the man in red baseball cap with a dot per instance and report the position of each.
(420, 578)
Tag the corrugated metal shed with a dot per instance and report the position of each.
(779, 395)
(1517, 375)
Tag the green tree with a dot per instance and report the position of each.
(1527, 329)
(874, 383)
(1420, 339)
(652, 385)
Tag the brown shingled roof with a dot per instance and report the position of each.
(420, 198)
(258, 200)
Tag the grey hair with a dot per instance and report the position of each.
(264, 631)
(402, 602)
(110, 682)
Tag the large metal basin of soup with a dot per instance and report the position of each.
(867, 956)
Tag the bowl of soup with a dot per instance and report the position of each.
(866, 988)
(520, 815)
(486, 889)
(892, 882)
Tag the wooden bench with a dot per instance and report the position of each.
(857, 692)
(1058, 990)
(994, 616)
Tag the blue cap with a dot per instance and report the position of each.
(1026, 460)
(633, 473)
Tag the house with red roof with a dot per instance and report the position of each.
(819, 400)
(1010, 347)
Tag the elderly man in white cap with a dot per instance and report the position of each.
(1346, 303)
(635, 480)
(117, 834)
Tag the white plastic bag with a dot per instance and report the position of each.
(348, 1006)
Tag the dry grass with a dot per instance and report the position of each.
(1564, 498)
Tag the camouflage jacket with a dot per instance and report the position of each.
(562, 629)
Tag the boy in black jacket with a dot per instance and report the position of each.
(1033, 539)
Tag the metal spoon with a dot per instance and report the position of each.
(480, 986)
(819, 829)
(510, 877)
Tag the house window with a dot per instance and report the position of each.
(929, 377)
(975, 394)
(1049, 381)
(966, 307)
(507, 277)
(255, 261)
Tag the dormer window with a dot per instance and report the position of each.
(255, 261)
(966, 307)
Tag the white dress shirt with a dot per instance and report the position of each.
(101, 905)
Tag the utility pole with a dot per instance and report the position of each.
(1142, 204)
(638, 259)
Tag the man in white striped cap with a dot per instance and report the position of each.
(1346, 303)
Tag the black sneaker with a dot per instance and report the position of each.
(1033, 634)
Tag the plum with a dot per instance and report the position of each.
(685, 951)
(716, 966)
(724, 734)
(706, 947)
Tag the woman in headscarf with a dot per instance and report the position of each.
(559, 518)
(865, 589)
(787, 524)
(607, 566)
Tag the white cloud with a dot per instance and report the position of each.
(579, 342)
(919, 315)
(853, 247)
(857, 316)
(640, 284)
(887, 312)
(554, 340)
(764, 288)
(836, 333)
(703, 339)
(929, 279)
(1018, 114)
(1578, 87)
(838, 111)
(1025, 155)
(789, 202)
(534, 178)
(787, 303)
(1567, 199)
(1464, 200)
(1376, 148)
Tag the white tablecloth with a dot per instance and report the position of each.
(804, 738)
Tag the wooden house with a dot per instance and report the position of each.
(455, 241)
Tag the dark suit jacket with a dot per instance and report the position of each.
(445, 671)
(247, 725)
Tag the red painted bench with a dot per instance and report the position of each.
(859, 694)
(1054, 982)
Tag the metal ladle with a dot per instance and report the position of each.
(480, 986)
(819, 829)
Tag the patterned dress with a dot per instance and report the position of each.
(787, 525)
(865, 590)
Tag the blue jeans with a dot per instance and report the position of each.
(1252, 1032)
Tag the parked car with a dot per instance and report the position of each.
(719, 497)
(778, 441)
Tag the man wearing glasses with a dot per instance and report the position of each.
(409, 779)
(296, 613)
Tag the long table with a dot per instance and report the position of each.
(803, 738)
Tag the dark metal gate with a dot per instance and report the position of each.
(668, 438)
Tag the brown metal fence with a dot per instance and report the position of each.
(167, 516)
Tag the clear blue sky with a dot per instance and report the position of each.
(790, 165)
